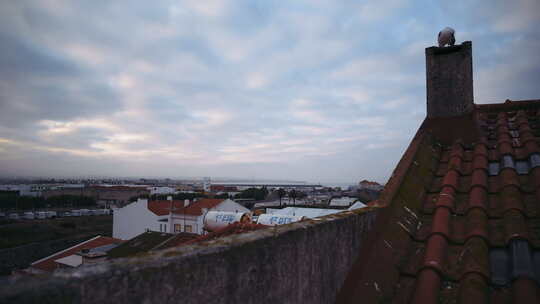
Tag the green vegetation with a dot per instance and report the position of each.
(294, 194)
(253, 193)
(223, 196)
(139, 244)
(12, 201)
(20, 233)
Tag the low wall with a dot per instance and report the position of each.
(304, 262)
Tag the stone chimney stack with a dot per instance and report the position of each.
(449, 76)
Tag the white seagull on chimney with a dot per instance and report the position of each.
(446, 36)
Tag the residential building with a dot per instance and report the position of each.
(144, 215)
(365, 184)
(343, 201)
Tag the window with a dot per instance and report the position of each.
(160, 228)
(187, 228)
(177, 227)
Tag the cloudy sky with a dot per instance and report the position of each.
(306, 90)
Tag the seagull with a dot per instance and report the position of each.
(446, 36)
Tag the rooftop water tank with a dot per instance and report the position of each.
(214, 220)
(278, 219)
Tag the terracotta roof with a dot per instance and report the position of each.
(196, 207)
(462, 222)
(48, 264)
(366, 182)
(164, 207)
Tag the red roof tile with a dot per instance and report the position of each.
(196, 207)
(164, 207)
(366, 182)
(462, 222)
(49, 264)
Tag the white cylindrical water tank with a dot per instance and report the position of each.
(277, 219)
(214, 220)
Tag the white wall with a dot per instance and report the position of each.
(134, 219)
(184, 220)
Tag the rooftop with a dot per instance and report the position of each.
(469, 230)
(197, 207)
(49, 264)
(164, 207)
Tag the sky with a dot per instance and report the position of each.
(309, 90)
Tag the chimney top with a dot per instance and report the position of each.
(449, 79)
(450, 104)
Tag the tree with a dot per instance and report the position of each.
(222, 195)
(281, 194)
(253, 193)
(292, 194)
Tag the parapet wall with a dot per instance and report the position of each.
(304, 262)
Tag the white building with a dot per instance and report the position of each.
(311, 212)
(137, 217)
(161, 190)
(342, 201)
(142, 215)
(191, 218)
(25, 190)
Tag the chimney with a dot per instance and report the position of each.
(449, 80)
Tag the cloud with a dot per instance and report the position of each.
(518, 16)
(313, 90)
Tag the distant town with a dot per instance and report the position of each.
(52, 224)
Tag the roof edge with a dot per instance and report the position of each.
(67, 249)
(398, 175)
(509, 105)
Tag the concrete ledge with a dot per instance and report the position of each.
(304, 262)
